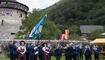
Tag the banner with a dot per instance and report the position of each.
(37, 30)
(66, 34)
(62, 36)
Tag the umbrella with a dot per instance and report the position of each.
(99, 40)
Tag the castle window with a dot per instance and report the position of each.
(11, 3)
(2, 22)
(21, 15)
(3, 12)
(7, 12)
(3, 2)
(13, 33)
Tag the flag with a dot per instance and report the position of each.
(62, 36)
(66, 34)
(37, 29)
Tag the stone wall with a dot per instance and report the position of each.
(10, 21)
(11, 14)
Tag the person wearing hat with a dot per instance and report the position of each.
(33, 51)
(22, 51)
(46, 52)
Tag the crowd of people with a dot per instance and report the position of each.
(44, 51)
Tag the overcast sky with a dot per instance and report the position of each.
(39, 4)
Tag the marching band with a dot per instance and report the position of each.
(44, 51)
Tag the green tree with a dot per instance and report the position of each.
(96, 34)
(77, 12)
(74, 32)
(50, 30)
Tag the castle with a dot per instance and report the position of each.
(12, 13)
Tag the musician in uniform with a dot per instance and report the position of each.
(75, 52)
(33, 51)
(69, 52)
(96, 50)
(87, 52)
(81, 51)
(11, 50)
(14, 51)
(41, 52)
(91, 51)
(27, 51)
(58, 51)
(50, 52)
(66, 51)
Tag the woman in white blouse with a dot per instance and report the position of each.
(46, 52)
(22, 51)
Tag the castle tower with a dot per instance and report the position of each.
(11, 14)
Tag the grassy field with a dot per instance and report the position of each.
(53, 58)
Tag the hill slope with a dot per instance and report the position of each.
(78, 12)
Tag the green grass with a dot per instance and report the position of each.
(4, 59)
(53, 58)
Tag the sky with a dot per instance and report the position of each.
(38, 4)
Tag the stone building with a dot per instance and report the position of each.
(11, 14)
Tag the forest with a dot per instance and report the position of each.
(65, 14)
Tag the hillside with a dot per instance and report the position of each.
(77, 12)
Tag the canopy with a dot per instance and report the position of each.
(99, 40)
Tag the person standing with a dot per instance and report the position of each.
(58, 51)
(96, 50)
(66, 51)
(27, 51)
(22, 51)
(75, 52)
(87, 52)
(41, 52)
(91, 51)
(50, 52)
(33, 52)
(69, 51)
(46, 52)
(11, 50)
(81, 51)
(14, 51)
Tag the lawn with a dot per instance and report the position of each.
(4, 59)
(53, 58)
